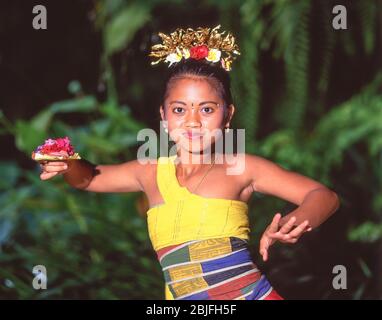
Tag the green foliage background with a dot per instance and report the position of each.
(298, 96)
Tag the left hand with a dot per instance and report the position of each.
(286, 234)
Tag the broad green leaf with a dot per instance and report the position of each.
(121, 29)
(27, 136)
(42, 120)
(85, 104)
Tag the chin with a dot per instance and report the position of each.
(196, 147)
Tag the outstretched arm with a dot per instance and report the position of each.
(81, 174)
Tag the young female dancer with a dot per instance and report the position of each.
(198, 216)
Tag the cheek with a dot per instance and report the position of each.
(174, 121)
(214, 121)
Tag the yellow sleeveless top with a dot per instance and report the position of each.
(186, 216)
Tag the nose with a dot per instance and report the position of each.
(192, 119)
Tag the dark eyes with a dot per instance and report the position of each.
(176, 110)
(208, 109)
(180, 110)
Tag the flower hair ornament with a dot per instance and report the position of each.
(203, 43)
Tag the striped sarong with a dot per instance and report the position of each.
(214, 269)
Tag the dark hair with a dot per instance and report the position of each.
(214, 74)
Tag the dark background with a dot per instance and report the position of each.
(308, 96)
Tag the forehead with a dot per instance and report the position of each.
(196, 88)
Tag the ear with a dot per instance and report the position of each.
(229, 114)
(162, 113)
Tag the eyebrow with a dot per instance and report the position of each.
(200, 104)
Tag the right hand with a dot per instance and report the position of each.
(287, 233)
(52, 168)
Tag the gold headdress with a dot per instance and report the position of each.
(202, 43)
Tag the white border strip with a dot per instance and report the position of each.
(177, 248)
(205, 260)
(218, 284)
(213, 272)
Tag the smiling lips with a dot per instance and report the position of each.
(192, 135)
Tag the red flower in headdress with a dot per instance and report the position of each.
(199, 52)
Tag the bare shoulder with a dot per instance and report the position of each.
(271, 178)
(257, 166)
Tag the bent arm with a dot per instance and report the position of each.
(318, 205)
(315, 201)
(124, 177)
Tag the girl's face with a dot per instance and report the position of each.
(195, 114)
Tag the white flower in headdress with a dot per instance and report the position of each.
(214, 55)
(173, 58)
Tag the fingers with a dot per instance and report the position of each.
(274, 226)
(264, 254)
(288, 226)
(264, 245)
(284, 237)
(47, 175)
(292, 236)
(299, 230)
(52, 168)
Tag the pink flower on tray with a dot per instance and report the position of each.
(55, 149)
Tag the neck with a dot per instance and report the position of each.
(189, 162)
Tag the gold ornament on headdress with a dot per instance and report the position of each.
(202, 43)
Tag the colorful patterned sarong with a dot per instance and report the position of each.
(214, 269)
